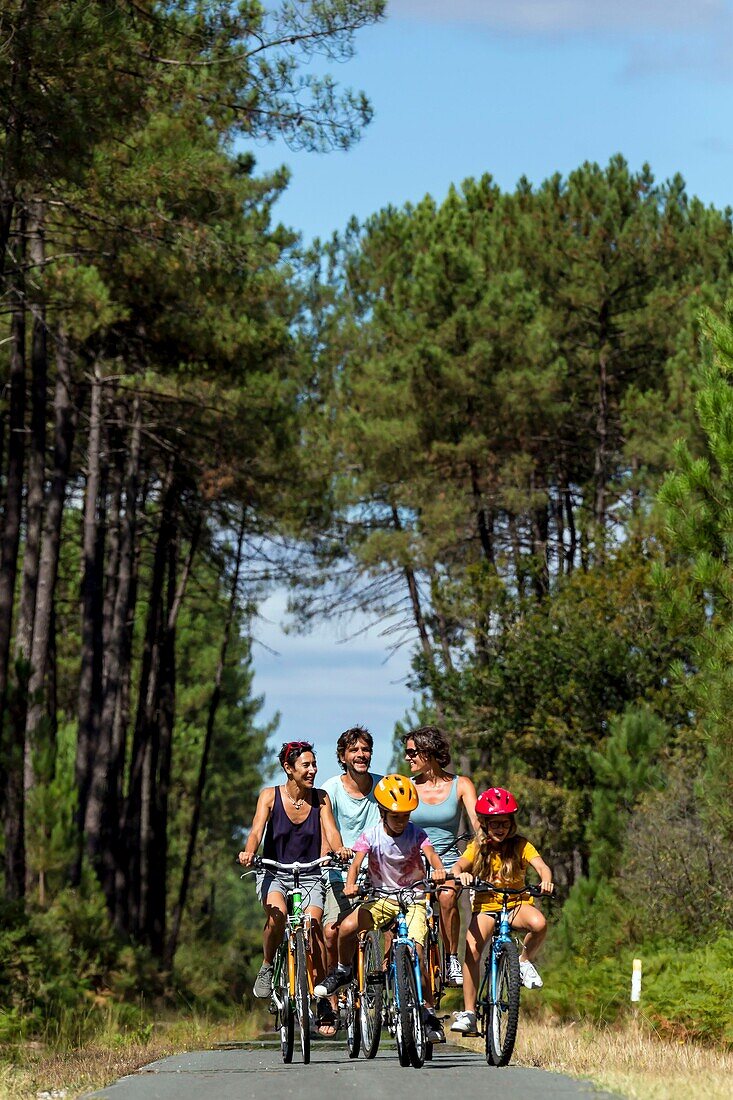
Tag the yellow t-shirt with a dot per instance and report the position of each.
(491, 903)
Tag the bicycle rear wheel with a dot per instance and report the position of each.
(503, 1015)
(302, 995)
(410, 1028)
(371, 997)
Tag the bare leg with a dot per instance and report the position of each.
(529, 917)
(358, 921)
(450, 918)
(275, 913)
(479, 931)
(317, 945)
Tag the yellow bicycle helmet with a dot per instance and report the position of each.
(396, 793)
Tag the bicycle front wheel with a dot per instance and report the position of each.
(371, 996)
(410, 1029)
(353, 1025)
(302, 995)
(435, 965)
(503, 1015)
(285, 1017)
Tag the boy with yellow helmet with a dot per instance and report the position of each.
(395, 849)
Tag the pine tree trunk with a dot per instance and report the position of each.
(198, 797)
(601, 466)
(37, 451)
(65, 420)
(90, 675)
(484, 524)
(36, 476)
(103, 806)
(440, 619)
(144, 758)
(409, 574)
(540, 565)
(158, 854)
(13, 749)
(572, 547)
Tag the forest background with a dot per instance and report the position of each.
(503, 421)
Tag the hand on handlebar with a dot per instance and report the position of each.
(465, 878)
(547, 887)
(345, 853)
(246, 858)
(351, 890)
(439, 874)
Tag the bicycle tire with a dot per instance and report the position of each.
(371, 997)
(285, 1016)
(302, 995)
(435, 968)
(503, 1015)
(409, 1015)
(353, 1027)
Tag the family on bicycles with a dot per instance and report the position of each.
(398, 824)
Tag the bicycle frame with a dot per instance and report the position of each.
(292, 979)
(410, 1036)
(404, 938)
(498, 1001)
(502, 934)
(296, 918)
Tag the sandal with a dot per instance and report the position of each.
(327, 1022)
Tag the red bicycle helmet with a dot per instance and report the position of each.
(496, 801)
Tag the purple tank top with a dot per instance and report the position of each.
(289, 843)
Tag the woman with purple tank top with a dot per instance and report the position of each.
(295, 818)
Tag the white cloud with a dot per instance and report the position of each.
(563, 16)
(321, 684)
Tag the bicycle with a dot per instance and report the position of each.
(363, 998)
(393, 994)
(434, 945)
(292, 977)
(497, 1003)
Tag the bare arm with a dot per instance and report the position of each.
(546, 883)
(353, 873)
(467, 794)
(262, 815)
(434, 860)
(462, 871)
(330, 830)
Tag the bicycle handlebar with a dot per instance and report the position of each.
(484, 887)
(259, 861)
(391, 891)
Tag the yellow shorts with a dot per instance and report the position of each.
(487, 903)
(384, 910)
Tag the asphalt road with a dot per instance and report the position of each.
(255, 1071)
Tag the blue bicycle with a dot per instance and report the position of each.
(497, 1004)
(402, 1007)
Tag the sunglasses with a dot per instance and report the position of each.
(412, 753)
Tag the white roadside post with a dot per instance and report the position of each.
(636, 985)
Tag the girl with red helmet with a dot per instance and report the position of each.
(500, 856)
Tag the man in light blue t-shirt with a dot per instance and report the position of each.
(355, 809)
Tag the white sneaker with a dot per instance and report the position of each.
(453, 971)
(529, 975)
(465, 1023)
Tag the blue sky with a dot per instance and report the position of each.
(509, 87)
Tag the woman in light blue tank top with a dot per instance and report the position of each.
(444, 799)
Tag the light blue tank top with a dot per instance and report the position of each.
(441, 822)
